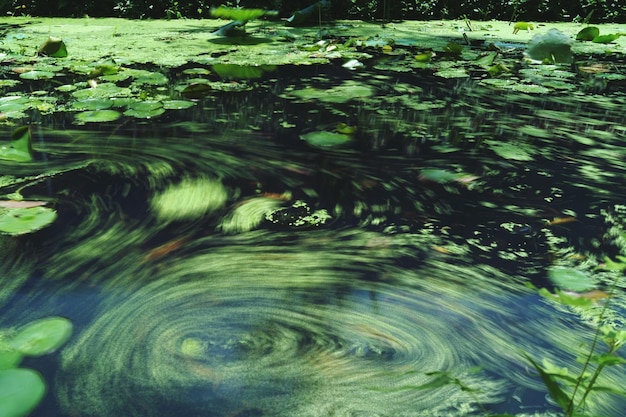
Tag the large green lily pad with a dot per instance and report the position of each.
(20, 221)
(21, 390)
(42, 336)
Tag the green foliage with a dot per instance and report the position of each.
(22, 389)
(570, 392)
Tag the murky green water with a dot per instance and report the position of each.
(206, 308)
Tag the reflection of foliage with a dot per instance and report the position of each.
(603, 10)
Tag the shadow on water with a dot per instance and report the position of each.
(223, 301)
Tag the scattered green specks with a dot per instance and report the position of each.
(192, 198)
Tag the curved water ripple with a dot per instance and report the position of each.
(285, 332)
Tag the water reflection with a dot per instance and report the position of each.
(411, 281)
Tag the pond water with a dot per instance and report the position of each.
(217, 261)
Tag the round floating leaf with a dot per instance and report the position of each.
(145, 109)
(197, 90)
(588, 33)
(104, 90)
(325, 139)
(98, 116)
(19, 149)
(92, 104)
(42, 336)
(37, 75)
(25, 220)
(177, 104)
(570, 279)
(237, 13)
(21, 390)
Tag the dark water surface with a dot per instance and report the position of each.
(198, 305)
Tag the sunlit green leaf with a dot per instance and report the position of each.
(557, 394)
(588, 33)
(20, 148)
(42, 336)
(98, 116)
(21, 390)
(37, 75)
(324, 139)
(25, 220)
(606, 38)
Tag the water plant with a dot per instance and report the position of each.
(21, 389)
(571, 392)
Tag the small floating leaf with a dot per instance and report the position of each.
(606, 38)
(178, 104)
(588, 33)
(37, 75)
(522, 26)
(97, 116)
(325, 139)
(21, 390)
(145, 109)
(25, 220)
(42, 336)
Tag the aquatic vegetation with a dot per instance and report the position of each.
(553, 47)
(21, 389)
(191, 198)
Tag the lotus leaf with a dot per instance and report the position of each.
(606, 38)
(145, 109)
(97, 116)
(19, 149)
(588, 33)
(42, 336)
(37, 75)
(20, 391)
(25, 220)
(324, 139)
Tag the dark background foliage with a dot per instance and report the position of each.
(531, 10)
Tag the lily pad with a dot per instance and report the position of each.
(178, 104)
(37, 75)
(145, 109)
(606, 38)
(42, 336)
(25, 220)
(324, 139)
(245, 72)
(98, 116)
(588, 33)
(21, 390)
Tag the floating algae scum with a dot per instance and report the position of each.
(304, 223)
